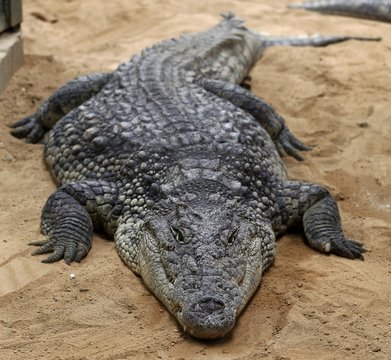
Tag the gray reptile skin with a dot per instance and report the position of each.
(177, 161)
(369, 9)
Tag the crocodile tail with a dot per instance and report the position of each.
(316, 40)
(322, 5)
(369, 9)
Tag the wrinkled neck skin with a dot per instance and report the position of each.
(202, 258)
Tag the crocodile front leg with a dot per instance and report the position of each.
(313, 205)
(65, 99)
(263, 112)
(69, 215)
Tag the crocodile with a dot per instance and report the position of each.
(368, 9)
(180, 164)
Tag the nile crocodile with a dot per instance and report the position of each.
(369, 9)
(181, 165)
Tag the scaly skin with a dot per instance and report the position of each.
(181, 165)
(370, 9)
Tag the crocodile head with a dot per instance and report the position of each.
(204, 261)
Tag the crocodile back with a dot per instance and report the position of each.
(156, 103)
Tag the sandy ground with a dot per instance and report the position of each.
(336, 99)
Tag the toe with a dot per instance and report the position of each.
(57, 255)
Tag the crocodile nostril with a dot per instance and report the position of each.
(208, 317)
(209, 304)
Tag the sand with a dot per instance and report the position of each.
(309, 306)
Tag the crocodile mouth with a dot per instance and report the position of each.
(207, 317)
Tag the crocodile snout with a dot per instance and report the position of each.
(208, 317)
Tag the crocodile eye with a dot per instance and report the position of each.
(232, 237)
(177, 234)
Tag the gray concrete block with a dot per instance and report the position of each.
(16, 12)
(10, 14)
(11, 56)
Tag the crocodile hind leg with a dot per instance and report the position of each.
(313, 205)
(263, 112)
(69, 216)
(63, 100)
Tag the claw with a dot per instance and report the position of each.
(37, 243)
(290, 144)
(341, 251)
(21, 122)
(57, 255)
(290, 150)
(36, 134)
(80, 255)
(69, 251)
(70, 254)
(29, 128)
(44, 249)
(298, 144)
(22, 131)
(348, 248)
(357, 243)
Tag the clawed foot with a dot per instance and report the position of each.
(341, 246)
(28, 128)
(347, 248)
(287, 143)
(68, 250)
